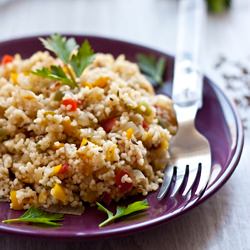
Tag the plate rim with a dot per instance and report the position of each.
(129, 229)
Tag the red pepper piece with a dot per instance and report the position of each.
(70, 102)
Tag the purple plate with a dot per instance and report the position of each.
(217, 120)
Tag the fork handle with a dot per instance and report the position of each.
(187, 86)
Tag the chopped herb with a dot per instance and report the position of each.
(152, 68)
(58, 96)
(82, 58)
(75, 59)
(37, 216)
(62, 47)
(122, 211)
(55, 73)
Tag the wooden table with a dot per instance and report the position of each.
(223, 221)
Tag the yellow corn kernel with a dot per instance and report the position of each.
(57, 145)
(13, 77)
(129, 133)
(110, 153)
(26, 73)
(56, 170)
(58, 193)
(14, 202)
(84, 142)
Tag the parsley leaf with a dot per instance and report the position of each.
(75, 59)
(122, 211)
(82, 58)
(152, 68)
(37, 216)
(61, 46)
(55, 73)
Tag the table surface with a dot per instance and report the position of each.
(223, 222)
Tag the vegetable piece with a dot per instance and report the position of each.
(84, 142)
(14, 77)
(108, 124)
(145, 125)
(55, 73)
(58, 96)
(70, 102)
(49, 112)
(64, 169)
(56, 170)
(122, 185)
(144, 109)
(110, 153)
(62, 47)
(82, 58)
(122, 211)
(152, 68)
(129, 133)
(7, 59)
(37, 216)
(58, 193)
(14, 202)
(101, 82)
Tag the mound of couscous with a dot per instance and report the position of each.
(104, 140)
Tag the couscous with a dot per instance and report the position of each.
(104, 140)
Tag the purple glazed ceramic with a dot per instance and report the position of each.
(217, 120)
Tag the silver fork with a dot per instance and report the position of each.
(190, 154)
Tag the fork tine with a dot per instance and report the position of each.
(180, 177)
(191, 179)
(169, 174)
(204, 179)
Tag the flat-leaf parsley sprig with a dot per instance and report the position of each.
(37, 216)
(75, 59)
(122, 211)
(152, 67)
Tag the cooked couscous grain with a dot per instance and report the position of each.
(63, 146)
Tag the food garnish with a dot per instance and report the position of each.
(37, 216)
(122, 211)
(75, 59)
(152, 67)
(56, 73)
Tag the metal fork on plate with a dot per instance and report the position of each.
(190, 164)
